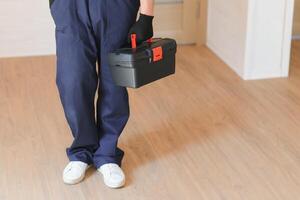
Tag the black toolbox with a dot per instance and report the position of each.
(137, 66)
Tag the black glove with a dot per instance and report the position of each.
(143, 29)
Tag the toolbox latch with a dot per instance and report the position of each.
(157, 54)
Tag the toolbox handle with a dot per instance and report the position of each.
(133, 41)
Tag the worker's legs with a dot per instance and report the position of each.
(87, 30)
(76, 76)
(117, 16)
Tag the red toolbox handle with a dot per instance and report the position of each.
(133, 41)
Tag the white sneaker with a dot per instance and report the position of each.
(113, 175)
(74, 172)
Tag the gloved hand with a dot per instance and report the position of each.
(143, 29)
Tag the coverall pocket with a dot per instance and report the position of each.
(121, 16)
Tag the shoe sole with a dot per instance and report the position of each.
(112, 185)
(73, 182)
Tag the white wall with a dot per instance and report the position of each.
(226, 31)
(252, 36)
(26, 28)
(269, 38)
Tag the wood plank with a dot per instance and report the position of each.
(201, 134)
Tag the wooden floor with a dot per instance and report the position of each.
(203, 134)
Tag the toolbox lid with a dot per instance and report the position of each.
(143, 51)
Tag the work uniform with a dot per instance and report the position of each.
(86, 31)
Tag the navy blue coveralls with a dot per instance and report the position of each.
(86, 31)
